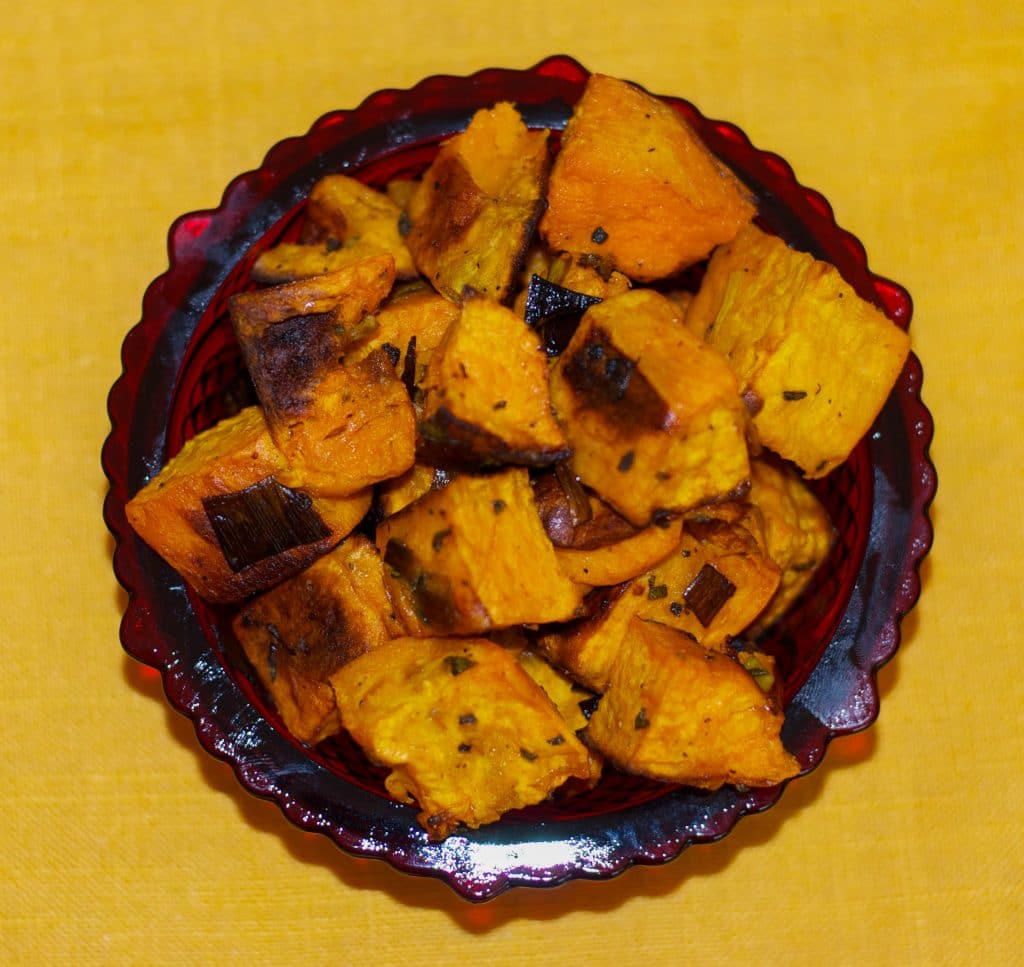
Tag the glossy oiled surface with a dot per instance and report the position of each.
(123, 842)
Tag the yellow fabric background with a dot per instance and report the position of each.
(122, 842)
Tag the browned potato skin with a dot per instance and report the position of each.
(798, 533)
(634, 184)
(346, 221)
(467, 734)
(816, 360)
(622, 560)
(341, 427)
(476, 207)
(678, 712)
(302, 631)
(168, 513)
(455, 559)
(653, 415)
(486, 393)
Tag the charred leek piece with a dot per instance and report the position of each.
(707, 593)
(261, 521)
(544, 299)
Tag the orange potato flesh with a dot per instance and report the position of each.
(817, 360)
(678, 712)
(465, 731)
(633, 183)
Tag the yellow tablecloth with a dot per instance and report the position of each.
(123, 842)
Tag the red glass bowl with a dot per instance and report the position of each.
(183, 372)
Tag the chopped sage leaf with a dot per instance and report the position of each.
(641, 721)
(457, 664)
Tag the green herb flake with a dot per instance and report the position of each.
(464, 747)
(626, 463)
(438, 539)
(457, 664)
(791, 395)
(763, 676)
(599, 236)
(498, 505)
(528, 755)
(556, 740)
(641, 721)
(467, 719)
(656, 591)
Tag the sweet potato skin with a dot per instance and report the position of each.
(818, 360)
(467, 734)
(634, 184)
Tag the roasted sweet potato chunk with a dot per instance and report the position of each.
(715, 583)
(634, 184)
(475, 209)
(817, 360)
(719, 580)
(652, 414)
(218, 513)
(341, 427)
(302, 631)
(797, 529)
(679, 712)
(415, 316)
(467, 734)
(346, 222)
(487, 401)
(472, 557)
(586, 649)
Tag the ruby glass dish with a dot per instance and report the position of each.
(182, 372)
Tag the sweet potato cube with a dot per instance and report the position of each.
(472, 557)
(346, 221)
(633, 183)
(586, 649)
(413, 315)
(653, 414)
(816, 360)
(568, 698)
(341, 427)
(797, 529)
(220, 516)
(719, 580)
(302, 631)
(678, 712)
(475, 209)
(465, 731)
(486, 393)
